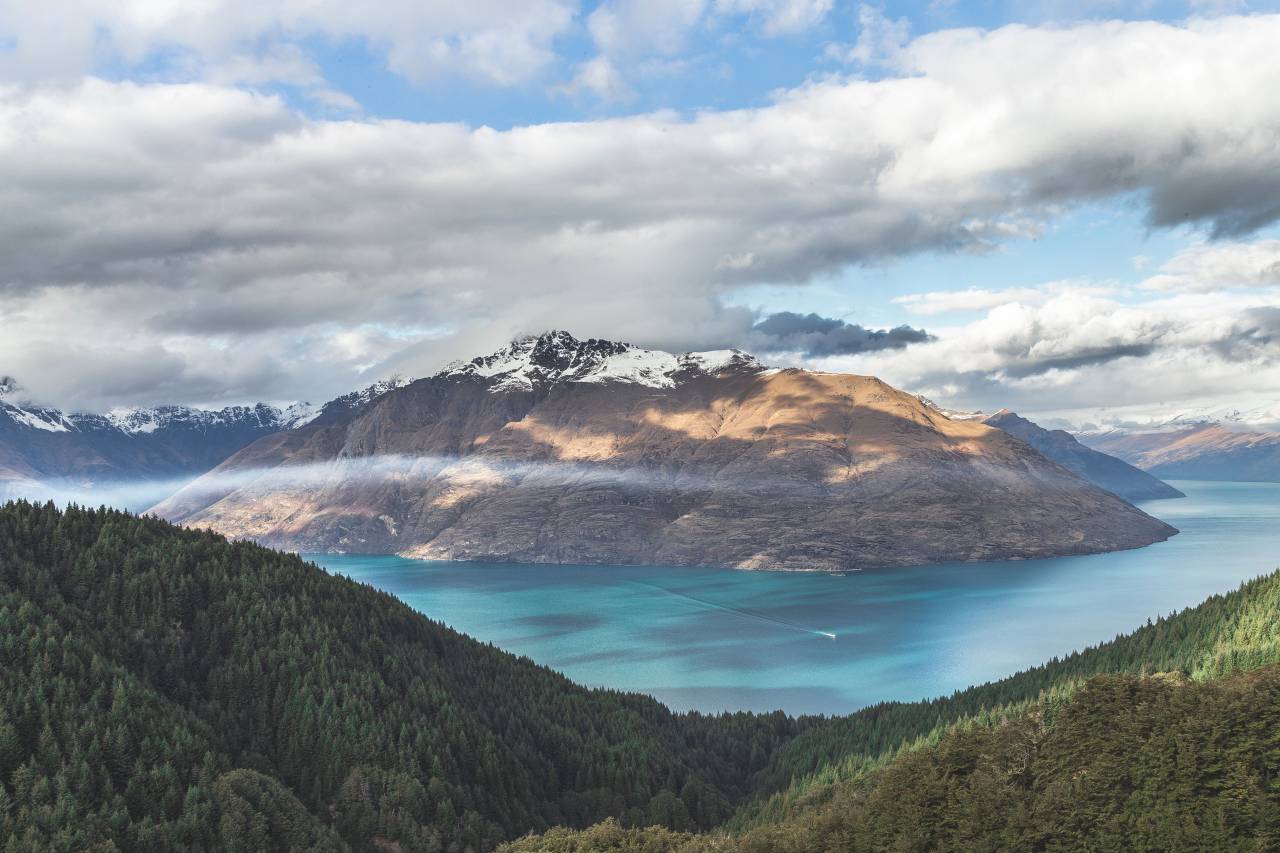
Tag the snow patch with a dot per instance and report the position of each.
(49, 420)
(652, 368)
(299, 415)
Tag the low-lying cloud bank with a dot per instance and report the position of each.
(471, 472)
(448, 478)
(166, 243)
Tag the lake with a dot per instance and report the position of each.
(723, 639)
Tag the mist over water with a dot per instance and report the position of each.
(420, 470)
(132, 495)
(721, 639)
(477, 471)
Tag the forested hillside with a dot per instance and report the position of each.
(1126, 763)
(164, 689)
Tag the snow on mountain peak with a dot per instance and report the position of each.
(26, 413)
(144, 421)
(540, 360)
(352, 401)
(299, 414)
(955, 414)
(48, 420)
(1260, 418)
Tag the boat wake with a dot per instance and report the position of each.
(737, 611)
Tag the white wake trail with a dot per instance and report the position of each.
(747, 614)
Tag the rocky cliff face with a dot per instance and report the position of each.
(1108, 472)
(558, 450)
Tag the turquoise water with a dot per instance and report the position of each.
(718, 639)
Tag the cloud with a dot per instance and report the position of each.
(638, 27)
(279, 63)
(814, 336)
(218, 243)
(1077, 357)
(879, 39)
(501, 42)
(646, 36)
(631, 28)
(1206, 267)
(970, 299)
(1074, 349)
(779, 17)
(599, 77)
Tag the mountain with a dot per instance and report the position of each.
(134, 457)
(1204, 444)
(1108, 472)
(560, 450)
(165, 689)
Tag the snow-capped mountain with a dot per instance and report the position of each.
(146, 421)
(555, 449)
(161, 418)
(45, 452)
(345, 405)
(1202, 444)
(538, 361)
(1260, 418)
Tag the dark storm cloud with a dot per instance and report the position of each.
(1256, 335)
(1088, 357)
(816, 336)
(1234, 202)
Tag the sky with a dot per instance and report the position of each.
(1068, 209)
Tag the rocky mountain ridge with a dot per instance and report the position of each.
(1108, 472)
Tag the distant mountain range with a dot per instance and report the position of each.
(560, 450)
(135, 456)
(1112, 474)
(1213, 444)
